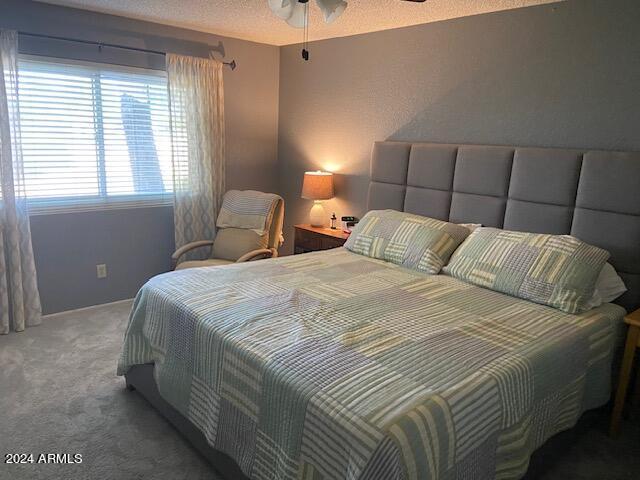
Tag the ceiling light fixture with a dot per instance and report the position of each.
(331, 9)
(296, 14)
(291, 10)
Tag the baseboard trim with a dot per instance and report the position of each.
(90, 307)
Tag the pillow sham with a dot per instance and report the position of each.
(555, 270)
(413, 241)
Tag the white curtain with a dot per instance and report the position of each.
(19, 298)
(196, 99)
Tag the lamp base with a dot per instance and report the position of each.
(317, 214)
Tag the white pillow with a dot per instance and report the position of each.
(609, 286)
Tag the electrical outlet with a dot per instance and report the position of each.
(101, 270)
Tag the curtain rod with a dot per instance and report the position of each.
(232, 64)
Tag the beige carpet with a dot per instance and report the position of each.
(59, 394)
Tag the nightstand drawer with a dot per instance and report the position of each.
(327, 243)
(313, 239)
(307, 241)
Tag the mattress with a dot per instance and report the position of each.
(333, 365)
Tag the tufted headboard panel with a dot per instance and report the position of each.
(592, 195)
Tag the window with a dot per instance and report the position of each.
(93, 136)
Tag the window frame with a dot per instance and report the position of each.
(102, 201)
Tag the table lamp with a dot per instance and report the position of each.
(317, 186)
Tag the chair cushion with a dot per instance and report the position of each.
(232, 243)
(212, 262)
(555, 270)
(413, 241)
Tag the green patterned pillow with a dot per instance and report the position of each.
(556, 270)
(412, 241)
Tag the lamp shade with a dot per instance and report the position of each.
(317, 185)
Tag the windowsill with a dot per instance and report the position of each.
(52, 209)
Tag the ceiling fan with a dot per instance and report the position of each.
(293, 11)
(296, 13)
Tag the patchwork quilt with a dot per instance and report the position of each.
(331, 365)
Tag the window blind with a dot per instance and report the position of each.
(93, 136)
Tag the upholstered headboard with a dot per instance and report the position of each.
(592, 195)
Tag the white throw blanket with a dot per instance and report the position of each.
(247, 209)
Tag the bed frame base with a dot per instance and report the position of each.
(140, 378)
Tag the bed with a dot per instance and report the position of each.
(336, 365)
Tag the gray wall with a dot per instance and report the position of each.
(556, 75)
(136, 244)
(565, 74)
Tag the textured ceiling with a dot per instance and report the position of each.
(252, 19)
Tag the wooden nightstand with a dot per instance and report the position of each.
(633, 342)
(312, 239)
